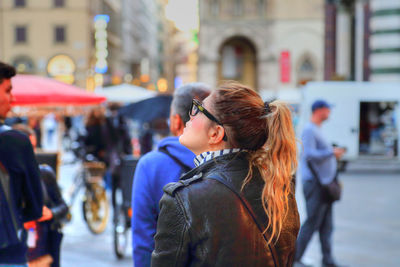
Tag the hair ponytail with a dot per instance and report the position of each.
(266, 131)
(277, 162)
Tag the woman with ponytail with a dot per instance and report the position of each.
(237, 207)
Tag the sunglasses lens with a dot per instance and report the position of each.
(193, 110)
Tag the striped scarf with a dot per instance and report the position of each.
(206, 156)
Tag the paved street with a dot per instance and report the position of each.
(367, 231)
(367, 222)
(80, 247)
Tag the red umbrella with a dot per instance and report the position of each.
(30, 90)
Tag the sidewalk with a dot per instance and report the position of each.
(373, 165)
(366, 221)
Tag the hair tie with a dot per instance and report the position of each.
(267, 108)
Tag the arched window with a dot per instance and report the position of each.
(306, 71)
(238, 61)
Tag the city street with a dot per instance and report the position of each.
(100, 80)
(80, 247)
(367, 224)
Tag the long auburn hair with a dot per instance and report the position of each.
(266, 131)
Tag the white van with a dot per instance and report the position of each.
(364, 116)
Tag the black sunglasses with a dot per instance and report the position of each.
(197, 106)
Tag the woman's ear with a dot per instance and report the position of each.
(216, 135)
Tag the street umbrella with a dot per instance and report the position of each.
(125, 93)
(31, 90)
(149, 109)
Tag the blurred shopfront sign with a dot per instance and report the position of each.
(285, 66)
(162, 85)
(23, 64)
(62, 68)
(100, 36)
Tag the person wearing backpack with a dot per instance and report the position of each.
(21, 192)
(158, 168)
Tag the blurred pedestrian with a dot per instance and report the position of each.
(237, 207)
(322, 156)
(50, 124)
(20, 188)
(146, 139)
(68, 126)
(95, 140)
(34, 123)
(117, 145)
(45, 251)
(159, 167)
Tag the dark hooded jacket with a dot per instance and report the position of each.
(203, 223)
(18, 159)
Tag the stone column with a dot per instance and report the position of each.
(343, 42)
(330, 41)
(359, 40)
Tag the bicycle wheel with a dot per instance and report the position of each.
(96, 208)
(120, 232)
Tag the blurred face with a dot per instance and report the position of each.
(6, 97)
(196, 132)
(324, 113)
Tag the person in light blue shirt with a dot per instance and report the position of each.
(323, 158)
(158, 168)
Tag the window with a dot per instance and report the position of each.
(19, 3)
(261, 7)
(20, 34)
(59, 3)
(215, 8)
(238, 8)
(306, 71)
(59, 34)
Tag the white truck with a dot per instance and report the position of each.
(364, 116)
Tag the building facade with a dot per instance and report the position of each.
(362, 40)
(267, 45)
(84, 42)
(47, 37)
(385, 40)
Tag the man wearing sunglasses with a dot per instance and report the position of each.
(158, 168)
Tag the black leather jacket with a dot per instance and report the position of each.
(203, 223)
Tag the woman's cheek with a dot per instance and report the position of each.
(197, 125)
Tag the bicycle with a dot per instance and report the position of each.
(95, 204)
(122, 206)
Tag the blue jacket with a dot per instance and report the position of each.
(319, 152)
(153, 172)
(16, 155)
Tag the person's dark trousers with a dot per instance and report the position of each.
(319, 218)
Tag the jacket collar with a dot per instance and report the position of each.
(217, 162)
(209, 155)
